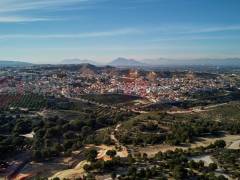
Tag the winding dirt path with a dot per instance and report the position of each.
(123, 152)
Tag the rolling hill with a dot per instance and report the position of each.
(6, 63)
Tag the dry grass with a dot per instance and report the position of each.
(41, 169)
(154, 149)
(76, 172)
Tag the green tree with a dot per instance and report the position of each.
(220, 143)
(113, 175)
(37, 155)
(56, 178)
(87, 167)
(111, 153)
(179, 172)
(132, 170)
(91, 154)
(212, 166)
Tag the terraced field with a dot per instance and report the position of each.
(31, 101)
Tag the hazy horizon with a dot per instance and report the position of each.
(50, 31)
(147, 61)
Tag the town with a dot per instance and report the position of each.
(87, 79)
(100, 122)
(119, 90)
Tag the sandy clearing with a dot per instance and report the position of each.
(154, 149)
(141, 101)
(29, 135)
(188, 111)
(76, 172)
(219, 172)
(102, 150)
(228, 138)
(197, 109)
(207, 159)
(49, 168)
(234, 145)
(42, 169)
(103, 177)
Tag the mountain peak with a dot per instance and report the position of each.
(78, 61)
(123, 62)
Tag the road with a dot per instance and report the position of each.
(197, 109)
(123, 149)
(104, 105)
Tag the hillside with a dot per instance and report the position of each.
(4, 63)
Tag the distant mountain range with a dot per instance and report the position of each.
(6, 63)
(119, 62)
(193, 62)
(78, 61)
(124, 62)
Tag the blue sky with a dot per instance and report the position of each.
(49, 31)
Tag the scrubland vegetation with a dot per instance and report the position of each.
(67, 126)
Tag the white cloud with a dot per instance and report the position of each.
(23, 5)
(18, 19)
(196, 37)
(194, 29)
(11, 10)
(213, 29)
(117, 32)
